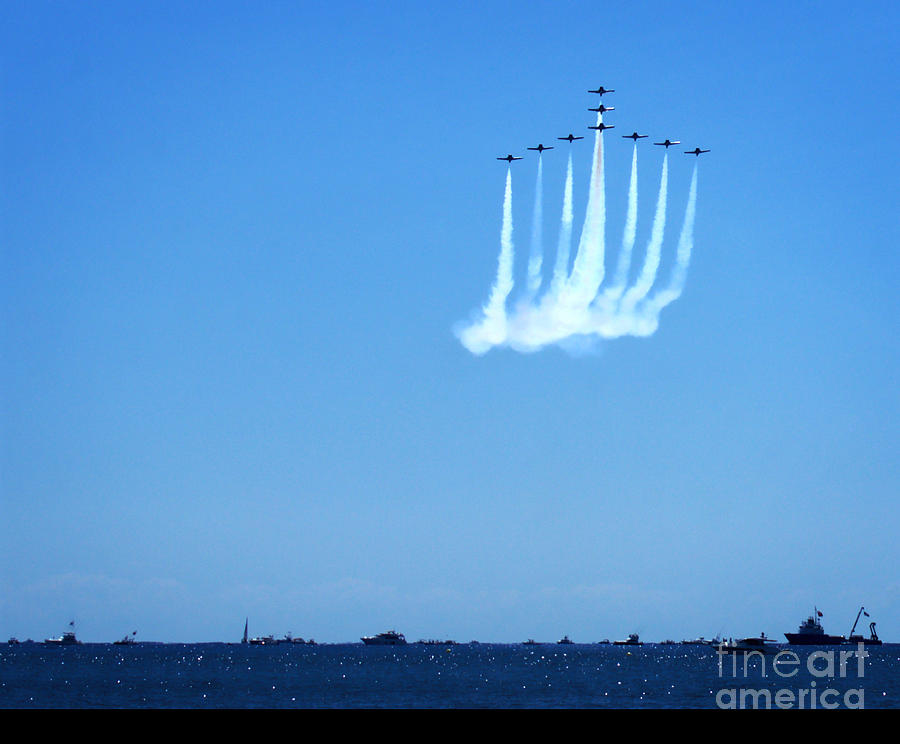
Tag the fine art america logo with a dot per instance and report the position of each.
(825, 668)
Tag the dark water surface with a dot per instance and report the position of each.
(219, 675)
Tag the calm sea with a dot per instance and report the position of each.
(213, 675)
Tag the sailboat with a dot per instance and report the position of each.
(244, 639)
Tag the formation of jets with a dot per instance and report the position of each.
(601, 109)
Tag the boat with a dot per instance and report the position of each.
(761, 644)
(565, 640)
(872, 640)
(66, 639)
(388, 638)
(632, 640)
(291, 640)
(263, 641)
(811, 633)
(127, 640)
(530, 642)
(244, 639)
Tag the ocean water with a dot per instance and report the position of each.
(219, 675)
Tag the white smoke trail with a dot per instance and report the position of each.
(561, 268)
(588, 269)
(492, 328)
(620, 278)
(574, 312)
(536, 259)
(682, 257)
(645, 279)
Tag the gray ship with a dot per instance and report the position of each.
(389, 638)
(811, 633)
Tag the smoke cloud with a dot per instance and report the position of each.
(577, 309)
(491, 328)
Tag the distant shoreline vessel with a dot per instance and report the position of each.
(761, 645)
(270, 640)
(66, 639)
(811, 633)
(263, 641)
(388, 638)
(632, 640)
(127, 640)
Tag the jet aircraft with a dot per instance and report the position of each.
(540, 148)
(634, 136)
(696, 151)
(667, 143)
(601, 90)
(509, 158)
(570, 138)
(601, 126)
(603, 109)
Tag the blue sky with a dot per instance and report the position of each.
(236, 238)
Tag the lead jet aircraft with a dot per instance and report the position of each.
(601, 126)
(696, 151)
(603, 109)
(509, 158)
(635, 136)
(667, 143)
(601, 90)
(540, 148)
(570, 138)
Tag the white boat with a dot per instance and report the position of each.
(761, 645)
(264, 641)
(66, 639)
